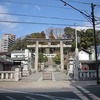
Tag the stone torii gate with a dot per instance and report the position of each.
(61, 45)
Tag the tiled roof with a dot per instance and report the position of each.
(86, 51)
(18, 59)
(18, 51)
(5, 61)
(89, 61)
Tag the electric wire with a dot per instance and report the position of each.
(25, 3)
(85, 15)
(1, 21)
(79, 2)
(25, 15)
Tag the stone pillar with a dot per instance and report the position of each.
(49, 44)
(2, 75)
(6, 75)
(48, 49)
(36, 55)
(17, 76)
(61, 56)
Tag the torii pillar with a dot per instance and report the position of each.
(36, 55)
(61, 56)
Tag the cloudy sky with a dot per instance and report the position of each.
(22, 17)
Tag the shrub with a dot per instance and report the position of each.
(42, 58)
(56, 59)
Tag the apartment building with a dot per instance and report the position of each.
(6, 42)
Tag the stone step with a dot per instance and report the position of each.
(47, 75)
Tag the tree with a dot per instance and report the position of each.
(86, 38)
(56, 31)
(69, 32)
(42, 35)
(51, 35)
(45, 58)
(42, 58)
(20, 44)
(34, 35)
(98, 37)
(37, 35)
(56, 59)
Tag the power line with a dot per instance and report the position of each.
(87, 18)
(80, 2)
(97, 5)
(22, 22)
(25, 3)
(85, 15)
(65, 3)
(97, 23)
(97, 17)
(41, 16)
(87, 3)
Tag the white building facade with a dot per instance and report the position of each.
(83, 55)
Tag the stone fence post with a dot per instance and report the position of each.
(17, 76)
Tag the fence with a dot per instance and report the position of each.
(88, 75)
(9, 76)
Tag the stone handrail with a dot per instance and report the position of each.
(9, 76)
(88, 74)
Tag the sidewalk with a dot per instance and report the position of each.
(84, 83)
(32, 78)
(46, 84)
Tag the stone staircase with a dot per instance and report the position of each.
(50, 62)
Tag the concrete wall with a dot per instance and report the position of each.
(83, 55)
(13, 55)
(1, 67)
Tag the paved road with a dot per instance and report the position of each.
(95, 89)
(18, 95)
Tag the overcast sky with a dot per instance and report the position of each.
(43, 14)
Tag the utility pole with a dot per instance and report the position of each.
(95, 46)
(76, 58)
